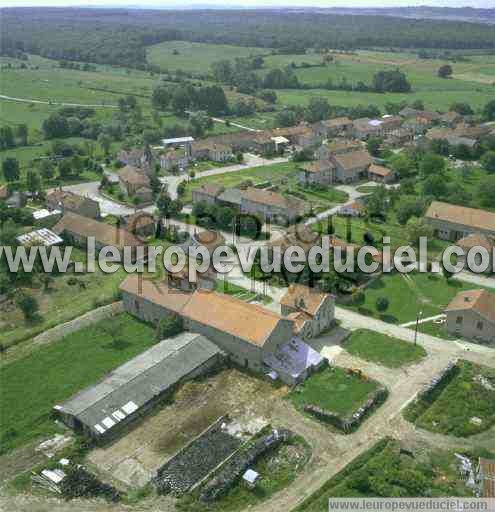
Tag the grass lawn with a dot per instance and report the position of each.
(382, 349)
(391, 228)
(467, 395)
(283, 175)
(435, 329)
(278, 471)
(408, 293)
(333, 389)
(384, 471)
(196, 57)
(69, 296)
(58, 370)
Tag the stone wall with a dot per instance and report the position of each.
(93, 317)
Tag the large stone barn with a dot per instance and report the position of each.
(245, 331)
(252, 337)
(130, 391)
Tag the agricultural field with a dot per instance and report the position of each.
(472, 81)
(58, 370)
(196, 57)
(464, 406)
(384, 350)
(333, 389)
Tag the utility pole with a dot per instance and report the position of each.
(418, 317)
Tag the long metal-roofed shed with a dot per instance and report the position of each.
(132, 389)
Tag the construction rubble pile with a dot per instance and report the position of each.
(195, 462)
(349, 424)
(239, 463)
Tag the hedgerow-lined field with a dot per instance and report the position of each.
(196, 57)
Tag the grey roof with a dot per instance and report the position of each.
(136, 382)
(231, 196)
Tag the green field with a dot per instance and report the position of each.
(56, 371)
(410, 293)
(195, 57)
(57, 305)
(381, 349)
(334, 390)
(473, 81)
(464, 397)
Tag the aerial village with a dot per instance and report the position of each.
(228, 347)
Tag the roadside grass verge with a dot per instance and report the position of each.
(382, 349)
(31, 386)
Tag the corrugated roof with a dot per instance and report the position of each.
(138, 381)
(462, 215)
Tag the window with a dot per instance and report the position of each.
(459, 320)
(479, 326)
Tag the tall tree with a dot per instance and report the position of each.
(10, 169)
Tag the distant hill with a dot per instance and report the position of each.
(120, 36)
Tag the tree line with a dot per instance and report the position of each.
(114, 36)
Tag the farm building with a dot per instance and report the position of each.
(250, 334)
(66, 201)
(131, 390)
(452, 222)
(76, 230)
(312, 311)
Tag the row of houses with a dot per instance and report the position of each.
(266, 204)
(346, 167)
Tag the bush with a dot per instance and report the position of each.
(169, 326)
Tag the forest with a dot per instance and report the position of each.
(119, 36)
